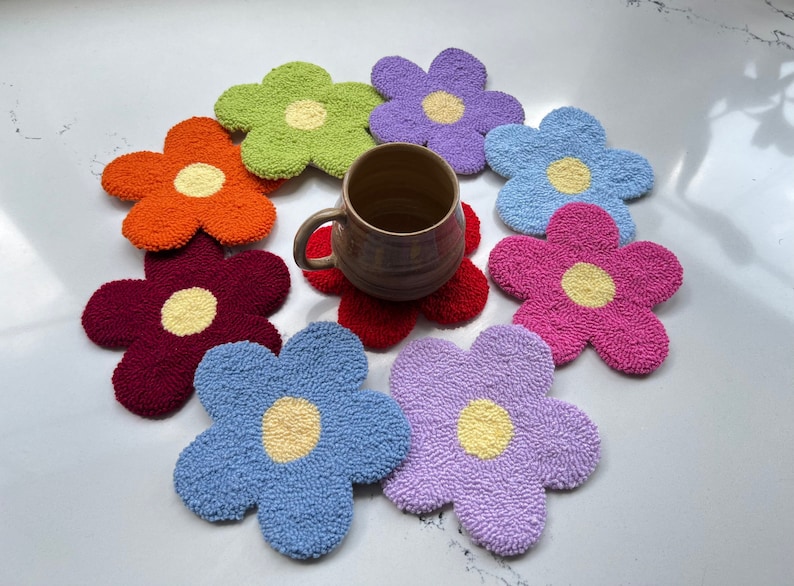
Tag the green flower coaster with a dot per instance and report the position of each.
(297, 116)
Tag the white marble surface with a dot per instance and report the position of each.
(697, 473)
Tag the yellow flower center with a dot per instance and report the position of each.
(588, 285)
(569, 175)
(484, 429)
(443, 107)
(189, 311)
(199, 180)
(290, 429)
(305, 115)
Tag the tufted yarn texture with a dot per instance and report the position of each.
(485, 437)
(297, 116)
(445, 109)
(290, 435)
(381, 324)
(565, 160)
(191, 300)
(198, 182)
(580, 287)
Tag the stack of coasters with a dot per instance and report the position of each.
(579, 286)
(191, 300)
(381, 324)
(563, 161)
(485, 436)
(297, 116)
(197, 183)
(446, 108)
(290, 435)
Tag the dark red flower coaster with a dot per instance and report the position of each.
(191, 300)
(381, 324)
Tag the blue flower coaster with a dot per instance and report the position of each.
(565, 160)
(291, 434)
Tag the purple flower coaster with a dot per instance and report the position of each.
(485, 437)
(445, 109)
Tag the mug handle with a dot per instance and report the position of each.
(306, 230)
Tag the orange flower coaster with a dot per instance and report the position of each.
(381, 324)
(198, 182)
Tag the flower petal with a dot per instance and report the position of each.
(632, 342)
(112, 317)
(164, 222)
(236, 218)
(135, 175)
(339, 146)
(457, 71)
(618, 211)
(547, 314)
(214, 476)
(400, 121)
(352, 102)
(201, 254)
(649, 273)
(583, 226)
(572, 125)
(276, 151)
(294, 81)
(233, 379)
(194, 139)
(472, 229)
(462, 147)
(378, 323)
(153, 378)
(518, 264)
(625, 174)
(307, 515)
(512, 149)
(459, 299)
(374, 436)
(487, 110)
(526, 203)
(396, 77)
(322, 352)
(241, 106)
(505, 514)
(258, 281)
(565, 443)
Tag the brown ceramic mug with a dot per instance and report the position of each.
(399, 231)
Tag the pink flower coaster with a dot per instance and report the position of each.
(381, 324)
(485, 436)
(579, 286)
(191, 300)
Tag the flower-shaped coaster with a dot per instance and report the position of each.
(381, 324)
(198, 182)
(578, 286)
(446, 108)
(485, 437)
(191, 300)
(290, 435)
(563, 161)
(297, 116)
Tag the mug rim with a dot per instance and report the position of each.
(410, 147)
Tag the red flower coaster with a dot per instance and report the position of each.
(198, 182)
(381, 324)
(191, 300)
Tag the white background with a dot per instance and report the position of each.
(697, 474)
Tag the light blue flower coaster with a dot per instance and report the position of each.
(565, 160)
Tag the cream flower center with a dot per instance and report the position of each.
(305, 115)
(443, 107)
(569, 175)
(290, 429)
(199, 180)
(189, 311)
(484, 429)
(588, 285)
